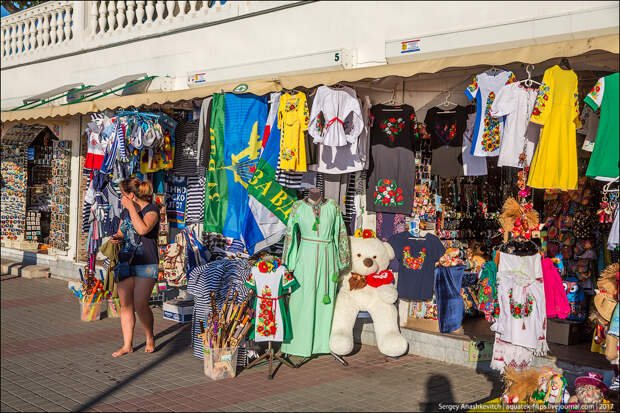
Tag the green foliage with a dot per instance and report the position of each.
(13, 6)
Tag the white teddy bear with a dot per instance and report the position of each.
(368, 287)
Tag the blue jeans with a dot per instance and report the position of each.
(144, 271)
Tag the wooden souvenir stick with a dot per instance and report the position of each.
(223, 312)
(230, 308)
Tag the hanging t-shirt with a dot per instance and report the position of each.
(516, 102)
(392, 160)
(488, 130)
(186, 152)
(176, 197)
(416, 258)
(472, 165)
(446, 128)
(604, 160)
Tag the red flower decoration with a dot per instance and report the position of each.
(367, 233)
(392, 119)
(386, 201)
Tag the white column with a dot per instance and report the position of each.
(60, 25)
(170, 6)
(33, 34)
(182, 4)
(68, 20)
(160, 10)
(130, 13)
(149, 11)
(120, 15)
(102, 20)
(46, 30)
(13, 39)
(92, 16)
(140, 11)
(18, 36)
(111, 15)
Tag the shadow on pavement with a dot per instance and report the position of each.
(438, 389)
(172, 345)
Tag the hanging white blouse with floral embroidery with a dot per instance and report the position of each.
(520, 291)
(336, 117)
(488, 130)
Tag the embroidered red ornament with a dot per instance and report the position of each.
(379, 279)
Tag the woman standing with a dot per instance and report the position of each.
(137, 232)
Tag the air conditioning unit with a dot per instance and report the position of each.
(319, 62)
(580, 24)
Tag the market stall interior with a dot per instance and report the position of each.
(466, 175)
(35, 171)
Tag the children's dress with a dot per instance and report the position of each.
(270, 280)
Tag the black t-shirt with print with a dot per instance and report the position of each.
(416, 270)
(145, 246)
(391, 170)
(446, 129)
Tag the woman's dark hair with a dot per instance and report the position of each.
(143, 190)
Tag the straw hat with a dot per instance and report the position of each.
(608, 281)
(605, 305)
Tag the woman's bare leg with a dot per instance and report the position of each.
(142, 291)
(128, 320)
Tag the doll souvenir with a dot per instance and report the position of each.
(520, 385)
(589, 390)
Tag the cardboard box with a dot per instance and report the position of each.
(178, 310)
(565, 332)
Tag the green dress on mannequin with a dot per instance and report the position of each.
(316, 259)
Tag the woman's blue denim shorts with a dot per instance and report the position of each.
(144, 271)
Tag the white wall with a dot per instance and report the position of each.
(317, 27)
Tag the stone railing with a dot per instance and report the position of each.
(57, 28)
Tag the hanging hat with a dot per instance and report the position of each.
(605, 304)
(611, 271)
(593, 379)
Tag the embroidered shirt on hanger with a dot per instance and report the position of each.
(336, 117)
(488, 130)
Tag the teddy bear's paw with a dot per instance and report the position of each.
(340, 343)
(387, 293)
(393, 345)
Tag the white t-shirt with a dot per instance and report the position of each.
(516, 102)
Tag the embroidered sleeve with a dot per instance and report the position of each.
(544, 100)
(472, 89)
(511, 79)
(281, 109)
(288, 280)
(595, 97)
(251, 282)
(504, 103)
(576, 117)
(340, 235)
(316, 125)
(304, 117)
(289, 252)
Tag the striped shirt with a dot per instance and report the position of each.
(216, 276)
(194, 209)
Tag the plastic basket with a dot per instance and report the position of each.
(114, 308)
(220, 363)
(91, 311)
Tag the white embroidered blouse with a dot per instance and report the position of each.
(336, 117)
(520, 291)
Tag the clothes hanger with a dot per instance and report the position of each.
(528, 82)
(607, 188)
(392, 102)
(565, 64)
(447, 103)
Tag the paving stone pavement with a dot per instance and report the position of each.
(52, 361)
